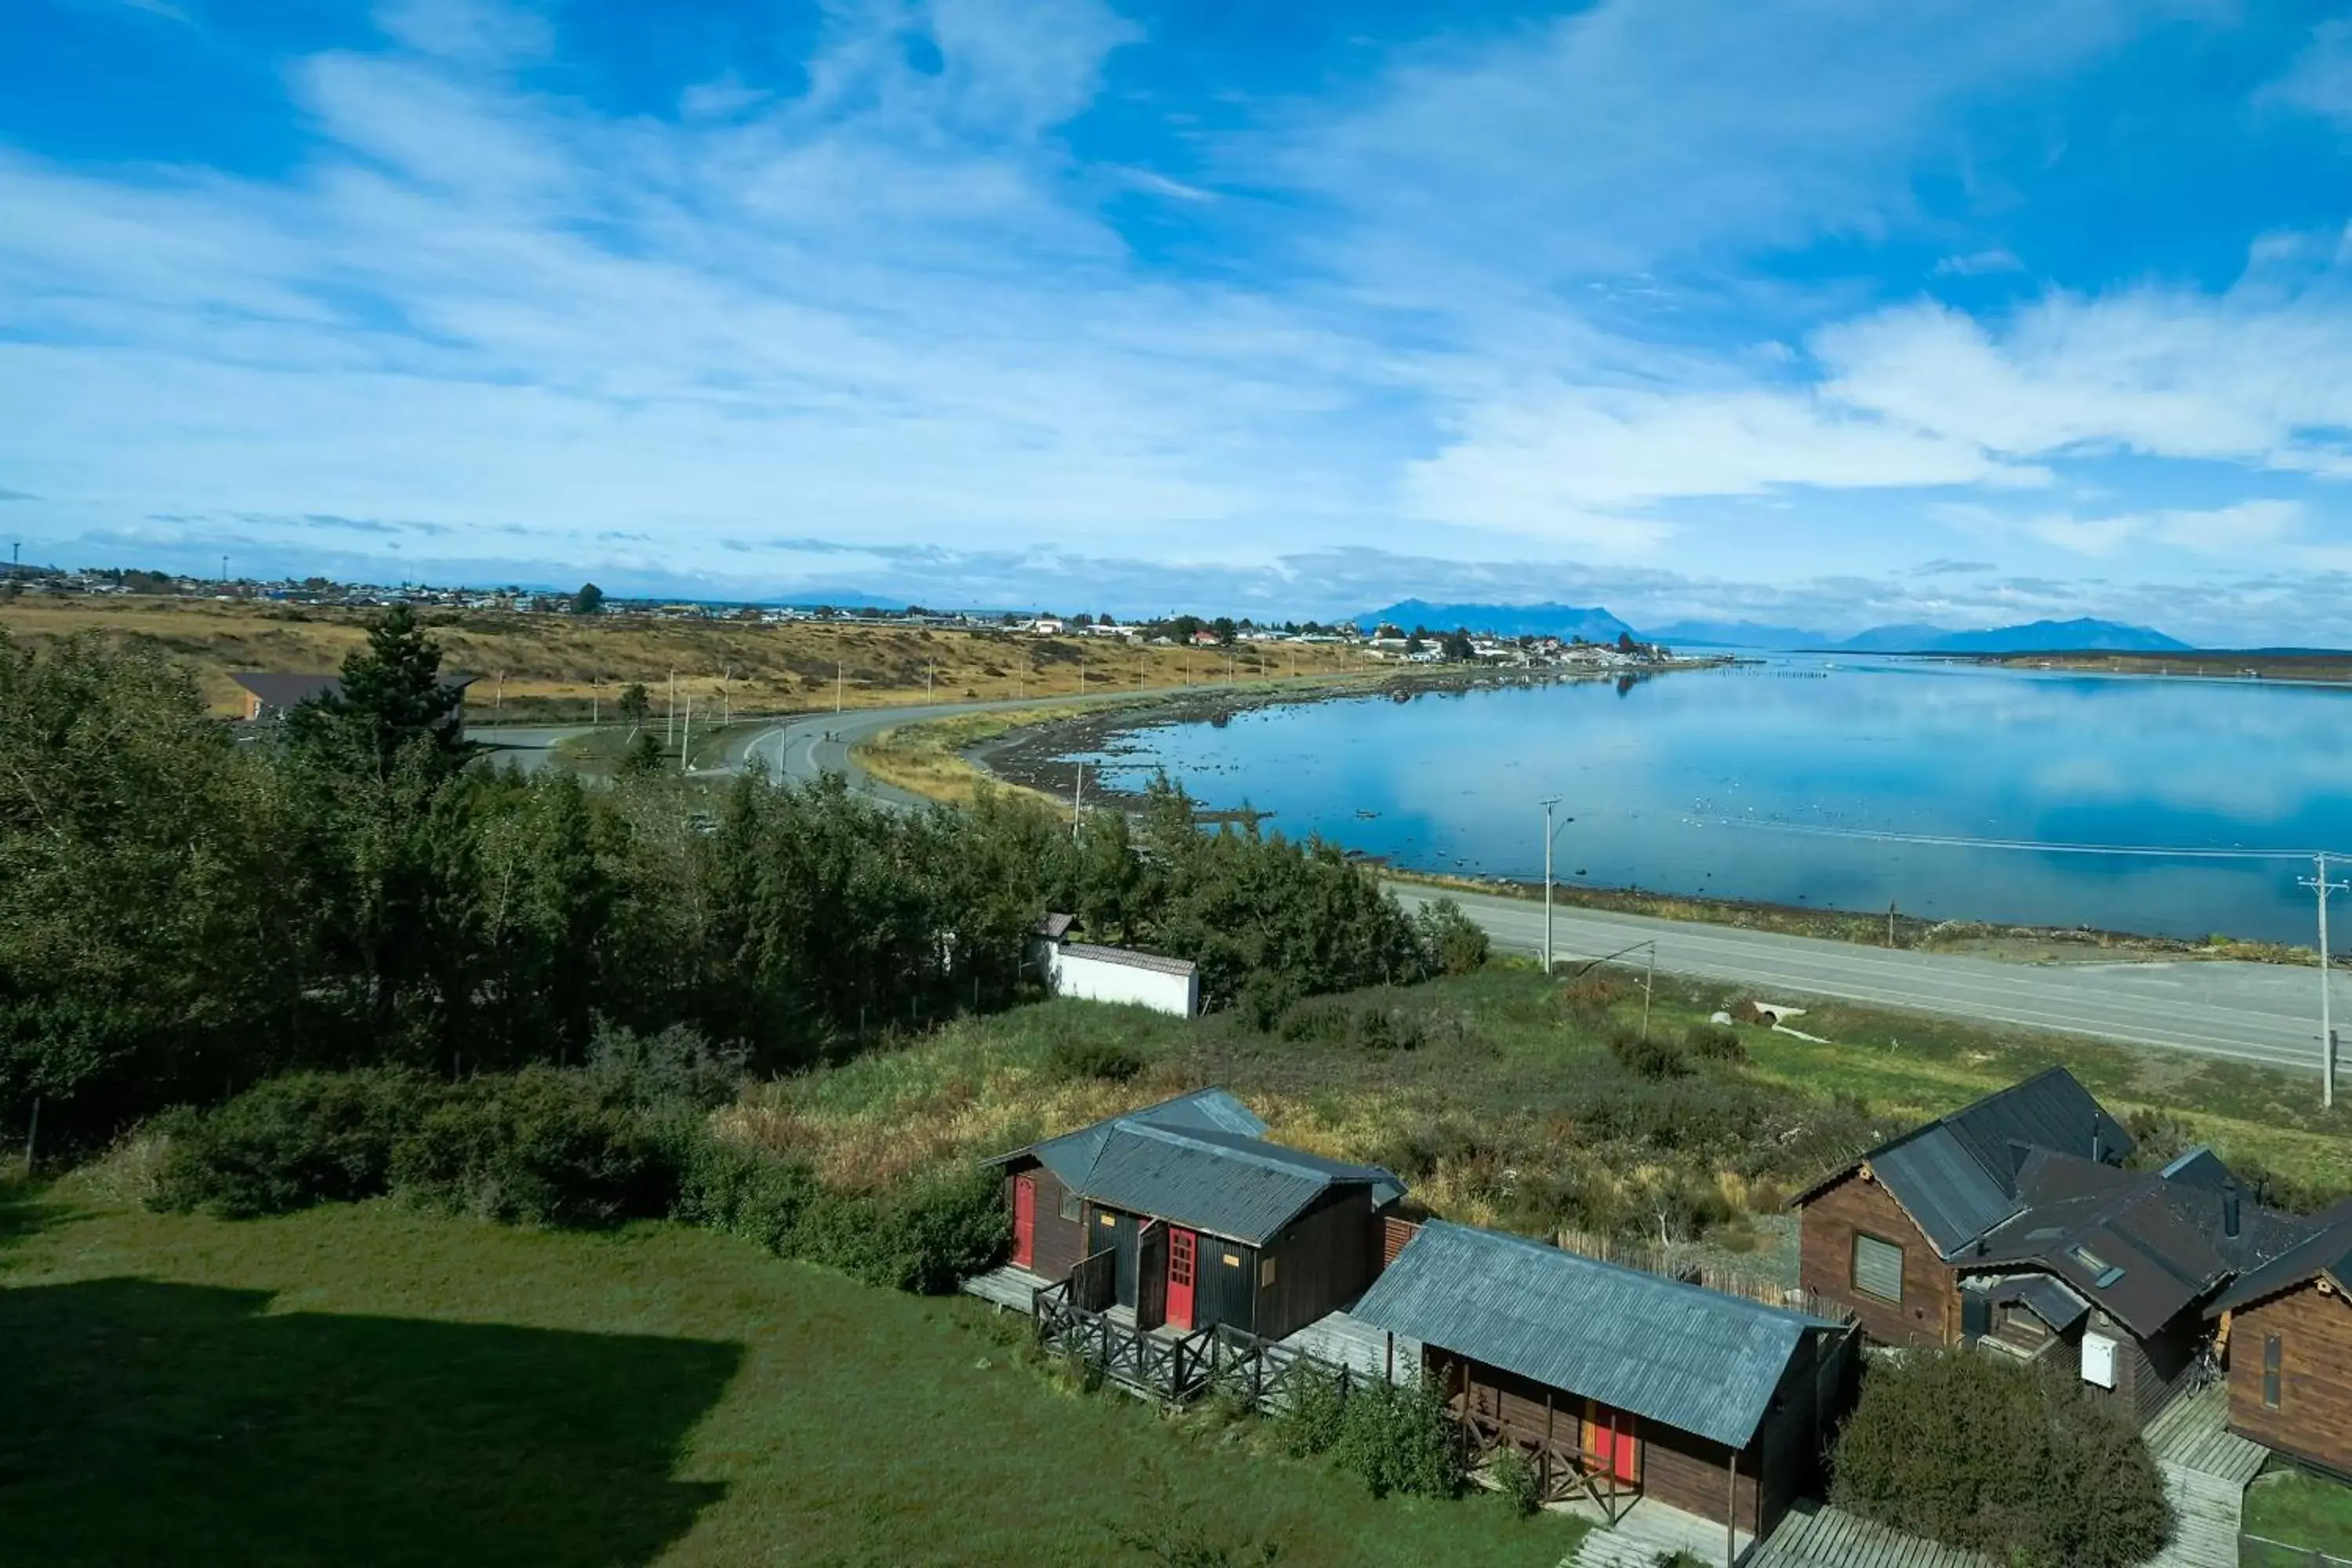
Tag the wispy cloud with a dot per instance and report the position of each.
(1977, 263)
(2320, 80)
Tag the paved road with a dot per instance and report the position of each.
(2255, 1013)
(530, 747)
(2259, 1013)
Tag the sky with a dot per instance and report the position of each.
(1819, 312)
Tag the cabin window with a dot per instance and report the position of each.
(1266, 1273)
(1877, 1268)
(1071, 1204)
(2271, 1372)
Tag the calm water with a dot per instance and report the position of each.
(1692, 783)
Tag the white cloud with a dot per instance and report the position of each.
(474, 31)
(1977, 263)
(2320, 81)
(2227, 532)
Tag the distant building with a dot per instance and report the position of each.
(1095, 972)
(270, 696)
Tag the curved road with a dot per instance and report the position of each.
(2253, 1013)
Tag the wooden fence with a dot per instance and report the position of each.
(1686, 1264)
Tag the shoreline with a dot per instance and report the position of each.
(1031, 757)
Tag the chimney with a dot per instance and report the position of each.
(2098, 1144)
(2229, 1209)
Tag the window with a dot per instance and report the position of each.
(1877, 1268)
(1266, 1273)
(1071, 1205)
(2271, 1372)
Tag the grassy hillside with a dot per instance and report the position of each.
(1502, 1101)
(552, 665)
(367, 1386)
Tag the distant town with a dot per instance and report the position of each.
(1383, 639)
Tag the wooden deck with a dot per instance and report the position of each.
(1816, 1535)
(2206, 1468)
(1008, 1285)
(1647, 1533)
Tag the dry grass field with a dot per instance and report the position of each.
(552, 667)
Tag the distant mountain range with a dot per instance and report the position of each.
(1595, 625)
(1502, 620)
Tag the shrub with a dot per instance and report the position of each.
(289, 1142)
(924, 1238)
(1517, 1480)
(1649, 1058)
(1326, 1023)
(1400, 1439)
(1594, 991)
(2011, 1461)
(1452, 942)
(1312, 1422)
(1082, 1058)
(540, 1147)
(677, 1066)
(744, 1191)
(1714, 1042)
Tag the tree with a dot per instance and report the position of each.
(1458, 647)
(644, 753)
(634, 705)
(589, 601)
(1224, 627)
(1626, 643)
(2014, 1461)
(1414, 645)
(391, 698)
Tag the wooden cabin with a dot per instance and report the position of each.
(1880, 1238)
(1185, 1212)
(2284, 1331)
(1616, 1383)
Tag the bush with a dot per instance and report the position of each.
(1714, 1042)
(1651, 1058)
(1594, 991)
(540, 1147)
(289, 1142)
(677, 1066)
(1400, 1439)
(1312, 1422)
(1517, 1480)
(1082, 1057)
(743, 1192)
(1452, 942)
(2011, 1461)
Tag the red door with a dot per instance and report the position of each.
(1181, 1246)
(1025, 1221)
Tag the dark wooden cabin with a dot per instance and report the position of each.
(1190, 1216)
(1880, 1238)
(2285, 1335)
(1620, 1385)
(2010, 1224)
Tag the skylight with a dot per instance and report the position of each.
(2104, 1273)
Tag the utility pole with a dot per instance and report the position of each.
(926, 681)
(1078, 801)
(2323, 887)
(596, 702)
(727, 694)
(1551, 834)
(685, 739)
(669, 724)
(837, 686)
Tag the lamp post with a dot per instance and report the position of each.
(2322, 887)
(1550, 835)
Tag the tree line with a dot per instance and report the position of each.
(187, 909)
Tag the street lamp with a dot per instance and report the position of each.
(2324, 887)
(1550, 835)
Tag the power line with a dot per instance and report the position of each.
(2026, 846)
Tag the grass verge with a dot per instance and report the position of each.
(2301, 1512)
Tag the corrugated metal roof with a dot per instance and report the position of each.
(1956, 1177)
(1128, 956)
(1051, 926)
(1199, 1161)
(1689, 1357)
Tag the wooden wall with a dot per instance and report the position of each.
(1929, 1312)
(1322, 1260)
(2148, 1373)
(1060, 1242)
(1680, 1469)
(2314, 1420)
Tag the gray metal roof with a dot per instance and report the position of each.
(2047, 1299)
(2327, 1250)
(1199, 1161)
(1128, 956)
(1956, 1177)
(1680, 1355)
(2199, 1167)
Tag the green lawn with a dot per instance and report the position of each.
(2299, 1511)
(364, 1386)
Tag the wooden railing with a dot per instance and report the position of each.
(1094, 1283)
(1564, 1469)
(1179, 1368)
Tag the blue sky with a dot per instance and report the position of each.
(1825, 311)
